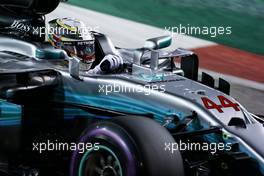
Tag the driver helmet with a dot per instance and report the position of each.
(70, 34)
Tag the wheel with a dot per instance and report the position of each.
(128, 146)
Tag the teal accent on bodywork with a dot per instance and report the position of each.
(10, 122)
(71, 113)
(154, 77)
(10, 114)
(86, 155)
(121, 104)
(165, 42)
(50, 54)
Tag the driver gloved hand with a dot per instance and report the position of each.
(109, 64)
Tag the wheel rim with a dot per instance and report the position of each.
(102, 162)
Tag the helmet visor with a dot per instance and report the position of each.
(85, 50)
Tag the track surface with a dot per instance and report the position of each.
(235, 65)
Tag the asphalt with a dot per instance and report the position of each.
(129, 34)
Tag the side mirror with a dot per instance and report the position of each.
(158, 42)
(50, 54)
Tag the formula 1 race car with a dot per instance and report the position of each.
(154, 118)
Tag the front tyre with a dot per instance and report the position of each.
(126, 146)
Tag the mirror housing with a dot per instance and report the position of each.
(158, 42)
(50, 54)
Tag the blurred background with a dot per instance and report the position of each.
(246, 17)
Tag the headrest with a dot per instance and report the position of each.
(29, 7)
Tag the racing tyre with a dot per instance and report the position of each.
(126, 146)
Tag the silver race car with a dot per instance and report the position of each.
(153, 117)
